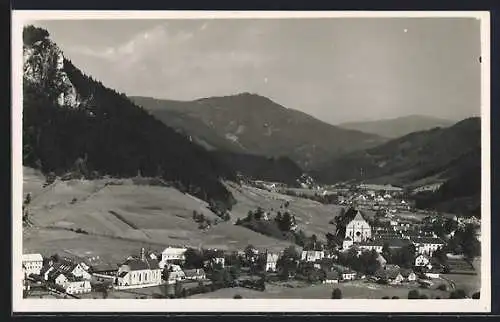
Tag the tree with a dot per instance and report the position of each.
(413, 295)
(249, 252)
(165, 274)
(194, 258)
(336, 294)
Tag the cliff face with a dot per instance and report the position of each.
(43, 64)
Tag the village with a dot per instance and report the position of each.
(388, 250)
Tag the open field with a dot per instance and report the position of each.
(352, 290)
(122, 217)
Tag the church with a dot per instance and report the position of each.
(358, 229)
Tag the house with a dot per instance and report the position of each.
(423, 261)
(433, 273)
(219, 261)
(71, 284)
(104, 272)
(427, 245)
(312, 255)
(271, 261)
(195, 274)
(409, 275)
(358, 229)
(139, 272)
(331, 277)
(391, 274)
(32, 263)
(170, 254)
(376, 245)
(66, 267)
(347, 243)
(348, 275)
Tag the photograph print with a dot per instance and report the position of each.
(174, 159)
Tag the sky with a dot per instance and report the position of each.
(336, 69)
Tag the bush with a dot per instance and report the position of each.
(237, 296)
(423, 297)
(395, 297)
(442, 287)
(476, 296)
(336, 294)
(385, 297)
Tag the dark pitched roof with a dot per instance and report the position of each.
(104, 267)
(406, 272)
(122, 274)
(137, 264)
(427, 240)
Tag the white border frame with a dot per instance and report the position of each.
(20, 17)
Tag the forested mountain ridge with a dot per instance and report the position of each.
(72, 121)
(252, 124)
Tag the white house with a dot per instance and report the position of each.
(427, 245)
(348, 275)
(69, 283)
(371, 245)
(332, 277)
(195, 274)
(271, 261)
(312, 255)
(423, 261)
(32, 263)
(172, 254)
(219, 260)
(139, 272)
(358, 229)
(347, 243)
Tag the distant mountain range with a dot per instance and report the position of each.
(450, 156)
(253, 124)
(397, 127)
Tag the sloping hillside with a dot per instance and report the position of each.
(115, 217)
(397, 127)
(256, 125)
(72, 123)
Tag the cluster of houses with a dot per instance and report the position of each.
(74, 277)
(376, 197)
(150, 269)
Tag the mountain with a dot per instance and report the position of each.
(72, 123)
(397, 127)
(448, 156)
(253, 124)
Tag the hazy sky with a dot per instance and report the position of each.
(336, 69)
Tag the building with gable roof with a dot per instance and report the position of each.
(358, 229)
(139, 272)
(32, 263)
